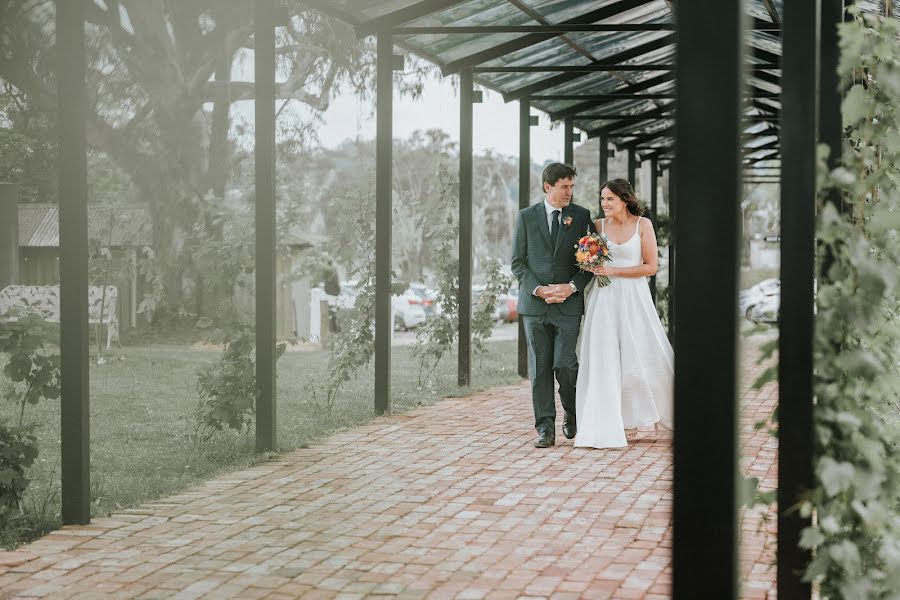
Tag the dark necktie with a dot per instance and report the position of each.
(554, 228)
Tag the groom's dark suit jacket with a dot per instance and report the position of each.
(535, 262)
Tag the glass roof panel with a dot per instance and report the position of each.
(576, 48)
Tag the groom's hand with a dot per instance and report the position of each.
(547, 293)
(554, 294)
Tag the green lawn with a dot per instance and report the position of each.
(142, 426)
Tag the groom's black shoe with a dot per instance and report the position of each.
(545, 440)
(569, 428)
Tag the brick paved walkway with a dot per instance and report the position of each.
(448, 501)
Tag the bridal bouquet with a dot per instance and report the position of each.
(592, 251)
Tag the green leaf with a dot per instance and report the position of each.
(835, 476)
(857, 105)
(811, 537)
(846, 554)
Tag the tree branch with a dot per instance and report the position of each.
(246, 90)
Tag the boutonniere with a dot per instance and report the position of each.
(567, 221)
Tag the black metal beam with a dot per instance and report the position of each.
(705, 541)
(551, 29)
(760, 70)
(590, 68)
(767, 77)
(613, 59)
(629, 90)
(661, 150)
(420, 9)
(654, 174)
(764, 55)
(636, 117)
(613, 132)
(632, 168)
(765, 108)
(774, 144)
(795, 315)
(672, 230)
(384, 76)
(569, 142)
(554, 29)
(603, 173)
(531, 39)
(596, 100)
(464, 371)
(646, 137)
(73, 265)
(524, 202)
(772, 10)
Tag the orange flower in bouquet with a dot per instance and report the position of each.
(592, 251)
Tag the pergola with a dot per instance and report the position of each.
(746, 82)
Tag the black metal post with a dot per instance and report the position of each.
(708, 146)
(603, 174)
(524, 202)
(654, 166)
(673, 197)
(569, 142)
(73, 266)
(799, 107)
(383, 230)
(264, 69)
(464, 367)
(632, 168)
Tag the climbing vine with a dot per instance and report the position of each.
(855, 536)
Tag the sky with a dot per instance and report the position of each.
(496, 124)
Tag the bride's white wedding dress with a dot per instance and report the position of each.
(626, 363)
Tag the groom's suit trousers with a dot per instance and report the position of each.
(552, 340)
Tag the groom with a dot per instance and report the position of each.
(551, 301)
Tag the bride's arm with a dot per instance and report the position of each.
(648, 254)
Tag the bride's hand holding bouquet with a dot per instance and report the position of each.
(591, 252)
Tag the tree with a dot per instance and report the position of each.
(152, 67)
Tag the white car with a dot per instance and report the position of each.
(408, 311)
(758, 293)
(765, 311)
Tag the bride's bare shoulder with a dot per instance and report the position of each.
(597, 223)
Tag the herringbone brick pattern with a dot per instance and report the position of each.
(448, 501)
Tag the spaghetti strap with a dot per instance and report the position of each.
(637, 227)
(602, 225)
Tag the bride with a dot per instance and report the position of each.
(626, 375)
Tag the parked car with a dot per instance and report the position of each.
(408, 311)
(477, 291)
(426, 298)
(765, 311)
(758, 293)
(347, 298)
(508, 306)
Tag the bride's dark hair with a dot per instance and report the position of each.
(622, 188)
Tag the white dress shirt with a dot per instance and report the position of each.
(550, 208)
